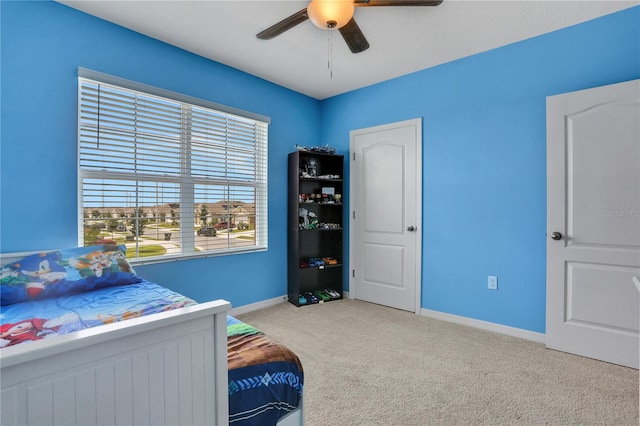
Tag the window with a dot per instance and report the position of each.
(167, 175)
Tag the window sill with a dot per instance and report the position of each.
(176, 258)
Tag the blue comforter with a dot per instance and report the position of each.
(265, 377)
(36, 320)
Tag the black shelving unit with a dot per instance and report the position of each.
(315, 186)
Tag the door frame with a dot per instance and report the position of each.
(417, 124)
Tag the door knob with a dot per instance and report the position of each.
(556, 236)
(411, 228)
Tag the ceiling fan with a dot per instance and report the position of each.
(338, 14)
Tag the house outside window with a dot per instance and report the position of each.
(168, 175)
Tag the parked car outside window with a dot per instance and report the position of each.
(207, 231)
(224, 225)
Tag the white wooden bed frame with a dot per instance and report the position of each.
(168, 368)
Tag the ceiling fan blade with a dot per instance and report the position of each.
(284, 25)
(354, 37)
(365, 3)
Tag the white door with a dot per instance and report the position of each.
(386, 194)
(593, 222)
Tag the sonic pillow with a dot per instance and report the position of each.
(76, 270)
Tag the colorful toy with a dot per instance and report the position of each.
(311, 298)
(322, 295)
(332, 293)
(315, 261)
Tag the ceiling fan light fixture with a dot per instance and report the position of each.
(330, 14)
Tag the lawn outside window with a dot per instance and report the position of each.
(158, 171)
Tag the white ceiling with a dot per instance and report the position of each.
(402, 39)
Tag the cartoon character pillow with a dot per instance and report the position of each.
(54, 274)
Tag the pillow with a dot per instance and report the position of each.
(57, 273)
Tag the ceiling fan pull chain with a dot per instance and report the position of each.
(329, 53)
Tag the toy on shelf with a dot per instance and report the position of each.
(326, 149)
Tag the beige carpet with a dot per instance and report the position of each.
(370, 365)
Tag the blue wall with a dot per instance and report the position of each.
(484, 158)
(43, 44)
(484, 178)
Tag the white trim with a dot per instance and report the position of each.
(200, 255)
(485, 325)
(420, 230)
(258, 305)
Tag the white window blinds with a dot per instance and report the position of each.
(167, 177)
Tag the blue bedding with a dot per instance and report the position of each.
(260, 392)
(36, 320)
(265, 378)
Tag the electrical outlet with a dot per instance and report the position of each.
(492, 282)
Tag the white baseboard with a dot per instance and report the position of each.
(469, 322)
(258, 305)
(485, 325)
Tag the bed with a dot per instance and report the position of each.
(86, 341)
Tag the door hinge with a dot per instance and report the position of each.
(353, 273)
(354, 156)
(354, 214)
